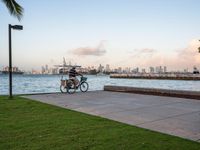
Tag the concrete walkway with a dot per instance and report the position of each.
(175, 116)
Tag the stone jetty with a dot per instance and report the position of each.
(158, 76)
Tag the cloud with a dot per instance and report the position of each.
(90, 51)
(177, 60)
(190, 54)
(145, 52)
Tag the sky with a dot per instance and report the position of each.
(126, 33)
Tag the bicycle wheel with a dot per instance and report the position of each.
(84, 86)
(63, 89)
(71, 88)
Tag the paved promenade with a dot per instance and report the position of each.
(175, 116)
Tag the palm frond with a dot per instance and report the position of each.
(14, 8)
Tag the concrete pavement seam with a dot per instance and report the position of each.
(141, 108)
(167, 118)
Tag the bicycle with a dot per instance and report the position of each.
(69, 86)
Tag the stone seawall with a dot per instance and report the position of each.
(157, 77)
(154, 91)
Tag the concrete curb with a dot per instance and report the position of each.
(154, 91)
(44, 93)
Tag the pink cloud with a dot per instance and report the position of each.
(90, 51)
(177, 60)
(145, 52)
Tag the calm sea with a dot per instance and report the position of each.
(24, 84)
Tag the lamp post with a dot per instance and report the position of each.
(15, 27)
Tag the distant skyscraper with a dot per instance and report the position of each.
(119, 70)
(159, 69)
(43, 70)
(143, 70)
(165, 69)
(100, 68)
(151, 69)
(135, 70)
(46, 69)
(64, 62)
(127, 70)
(107, 68)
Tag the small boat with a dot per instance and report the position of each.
(13, 72)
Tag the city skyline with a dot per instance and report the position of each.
(46, 69)
(123, 33)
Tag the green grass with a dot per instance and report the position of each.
(26, 124)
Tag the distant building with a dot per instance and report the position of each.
(165, 69)
(116, 70)
(100, 68)
(107, 69)
(185, 70)
(119, 70)
(195, 70)
(143, 70)
(43, 70)
(151, 69)
(53, 71)
(35, 72)
(127, 70)
(159, 69)
(15, 70)
(135, 70)
(46, 68)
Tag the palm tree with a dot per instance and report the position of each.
(14, 8)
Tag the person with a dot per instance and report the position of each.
(72, 75)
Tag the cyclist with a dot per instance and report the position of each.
(72, 75)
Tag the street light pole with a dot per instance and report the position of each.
(10, 27)
(10, 60)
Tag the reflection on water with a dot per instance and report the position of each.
(23, 84)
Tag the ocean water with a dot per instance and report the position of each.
(26, 84)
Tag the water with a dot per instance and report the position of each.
(24, 84)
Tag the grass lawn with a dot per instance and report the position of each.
(26, 124)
